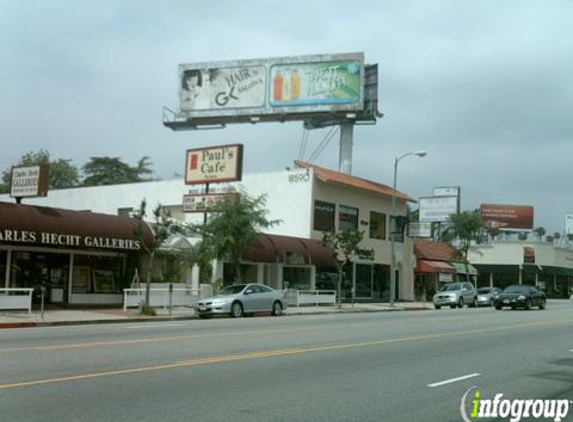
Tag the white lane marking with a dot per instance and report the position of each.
(155, 325)
(465, 377)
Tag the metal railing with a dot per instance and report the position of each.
(16, 298)
(311, 297)
(164, 297)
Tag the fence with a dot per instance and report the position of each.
(163, 297)
(16, 298)
(311, 297)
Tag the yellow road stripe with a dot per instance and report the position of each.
(272, 353)
(211, 335)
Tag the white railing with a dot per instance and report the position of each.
(163, 297)
(16, 298)
(311, 297)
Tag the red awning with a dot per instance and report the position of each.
(425, 266)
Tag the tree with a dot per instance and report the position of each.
(233, 224)
(556, 236)
(162, 227)
(62, 173)
(345, 246)
(522, 235)
(465, 228)
(112, 171)
(539, 232)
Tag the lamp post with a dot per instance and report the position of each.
(393, 220)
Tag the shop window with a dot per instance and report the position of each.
(296, 277)
(347, 218)
(3, 260)
(377, 225)
(249, 273)
(398, 226)
(125, 212)
(381, 282)
(324, 216)
(363, 281)
(97, 274)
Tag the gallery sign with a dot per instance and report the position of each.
(29, 181)
(214, 164)
(509, 217)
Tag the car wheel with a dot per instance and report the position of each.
(236, 310)
(438, 307)
(528, 305)
(461, 302)
(498, 307)
(277, 308)
(542, 304)
(474, 303)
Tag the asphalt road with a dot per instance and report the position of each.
(390, 366)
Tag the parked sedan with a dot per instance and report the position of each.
(240, 299)
(520, 296)
(455, 294)
(485, 295)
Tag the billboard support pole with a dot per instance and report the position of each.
(345, 157)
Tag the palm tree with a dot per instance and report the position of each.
(539, 232)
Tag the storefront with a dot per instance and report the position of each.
(75, 257)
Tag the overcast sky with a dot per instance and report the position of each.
(486, 87)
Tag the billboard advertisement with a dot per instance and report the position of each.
(272, 87)
(437, 208)
(29, 181)
(508, 217)
(214, 164)
(447, 191)
(201, 201)
(420, 230)
(569, 224)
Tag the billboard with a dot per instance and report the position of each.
(29, 181)
(569, 224)
(447, 191)
(437, 208)
(271, 88)
(508, 217)
(420, 230)
(201, 201)
(214, 164)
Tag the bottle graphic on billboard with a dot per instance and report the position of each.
(278, 86)
(295, 85)
(287, 86)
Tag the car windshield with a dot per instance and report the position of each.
(232, 290)
(451, 287)
(517, 289)
(484, 290)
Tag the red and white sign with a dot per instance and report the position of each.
(214, 164)
(507, 216)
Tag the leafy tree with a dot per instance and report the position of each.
(345, 246)
(556, 235)
(539, 232)
(233, 223)
(465, 228)
(112, 171)
(62, 173)
(162, 227)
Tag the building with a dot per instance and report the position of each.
(309, 200)
(540, 264)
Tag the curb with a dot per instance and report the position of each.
(34, 324)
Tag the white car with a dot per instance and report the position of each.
(455, 294)
(240, 299)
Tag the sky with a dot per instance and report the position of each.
(485, 87)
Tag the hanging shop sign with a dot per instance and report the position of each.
(31, 181)
(214, 164)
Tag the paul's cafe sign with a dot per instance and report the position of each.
(214, 164)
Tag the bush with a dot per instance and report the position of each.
(146, 310)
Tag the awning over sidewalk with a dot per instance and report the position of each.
(427, 266)
(464, 268)
(26, 225)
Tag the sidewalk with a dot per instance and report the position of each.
(52, 317)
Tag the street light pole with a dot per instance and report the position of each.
(393, 224)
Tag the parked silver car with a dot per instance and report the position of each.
(240, 299)
(455, 294)
(485, 295)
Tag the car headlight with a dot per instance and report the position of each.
(520, 297)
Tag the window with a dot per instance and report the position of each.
(125, 212)
(398, 226)
(324, 216)
(347, 218)
(377, 225)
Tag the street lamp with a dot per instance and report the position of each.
(393, 220)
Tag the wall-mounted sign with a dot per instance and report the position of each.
(437, 208)
(29, 181)
(214, 164)
(269, 88)
(200, 202)
(509, 217)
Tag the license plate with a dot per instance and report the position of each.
(506, 301)
(202, 309)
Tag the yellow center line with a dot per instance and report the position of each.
(274, 353)
(92, 344)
